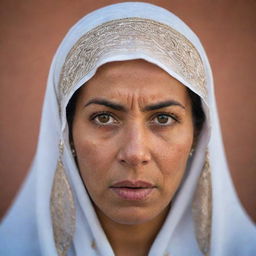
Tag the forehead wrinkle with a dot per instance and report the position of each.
(138, 101)
(128, 99)
(126, 83)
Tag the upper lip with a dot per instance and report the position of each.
(132, 184)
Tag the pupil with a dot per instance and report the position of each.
(103, 118)
(162, 119)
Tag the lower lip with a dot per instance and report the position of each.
(133, 194)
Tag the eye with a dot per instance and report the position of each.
(104, 119)
(163, 119)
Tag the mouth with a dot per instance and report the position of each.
(133, 190)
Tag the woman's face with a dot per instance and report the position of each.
(132, 132)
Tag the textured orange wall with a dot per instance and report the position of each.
(31, 31)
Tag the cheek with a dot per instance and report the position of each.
(94, 157)
(87, 151)
(175, 147)
(173, 162)
(90, 163)
(88, 147)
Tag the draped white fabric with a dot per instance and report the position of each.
(28, 230)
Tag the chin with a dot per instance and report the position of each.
(135, 216)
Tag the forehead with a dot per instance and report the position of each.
(136, 78)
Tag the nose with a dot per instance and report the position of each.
(134, 150)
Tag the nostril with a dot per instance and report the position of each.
(123, 161)
(133, 162)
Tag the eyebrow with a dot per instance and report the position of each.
(163, 104)
(106, 103)
(119, 107)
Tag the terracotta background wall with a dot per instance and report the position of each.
(30, 32)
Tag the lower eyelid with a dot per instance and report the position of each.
(169, 122)
(114, 122)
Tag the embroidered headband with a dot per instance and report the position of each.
(133, 35)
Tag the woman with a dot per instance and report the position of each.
(130, 159)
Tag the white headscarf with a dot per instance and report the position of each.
(53, 214)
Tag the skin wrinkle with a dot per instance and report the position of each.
(134, 148)
(120, 107)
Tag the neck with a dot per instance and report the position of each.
(133, 240)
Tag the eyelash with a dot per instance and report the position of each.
(173, 117)
(93, 117)
(101, 113)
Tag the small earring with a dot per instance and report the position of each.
(191, 152)
(73, 152)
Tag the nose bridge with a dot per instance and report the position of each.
(134, 149)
